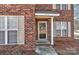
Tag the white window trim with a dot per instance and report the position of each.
(61, 29)
(69, 6)
(54, 6)
(6, 32)
(60, 6)
(68, 29)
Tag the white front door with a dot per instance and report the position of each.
(42, 30)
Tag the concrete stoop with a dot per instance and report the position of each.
(42, 42)
(45, 50)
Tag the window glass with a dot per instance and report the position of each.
(12, 37)
(64, 33)
(12, 22)
(76, 29)
(60, 29)
(64, 25)
(76, 21)
(64, 29)
(54, 29)
(58, 25)
(58, 6)
(8, 29)
(58, 33)
(64, 6)
(2, 37)
(57, 29)
(2, 22)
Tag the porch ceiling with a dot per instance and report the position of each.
(46, 13)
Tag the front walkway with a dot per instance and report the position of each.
(45, 50)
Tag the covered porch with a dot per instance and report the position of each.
(44, 27)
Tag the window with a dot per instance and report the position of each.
(2, 34)
(11, 30)
(76, 21)
(61, 29)
(12, 36)
(58, 6)
(64, 29)
(58, 29)
(76, 29)
(62, 6)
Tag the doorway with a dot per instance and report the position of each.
(42, 30)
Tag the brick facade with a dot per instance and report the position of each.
(28, 11)
(65, 15)
(43, 7)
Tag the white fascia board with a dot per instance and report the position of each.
(46, 14)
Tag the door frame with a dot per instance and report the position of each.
(38, 29)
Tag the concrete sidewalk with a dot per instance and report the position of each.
(45, 50)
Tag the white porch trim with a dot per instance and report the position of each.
(52, 41)
(46, 14)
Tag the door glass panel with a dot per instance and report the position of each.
(42, 36)
(42, 30)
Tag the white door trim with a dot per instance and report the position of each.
(38, 29)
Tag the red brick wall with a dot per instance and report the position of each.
(43, 7)
(30, 24)
(28, 12)
(66, 15)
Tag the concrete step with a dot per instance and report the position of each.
(45, 50)
(42, 42)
